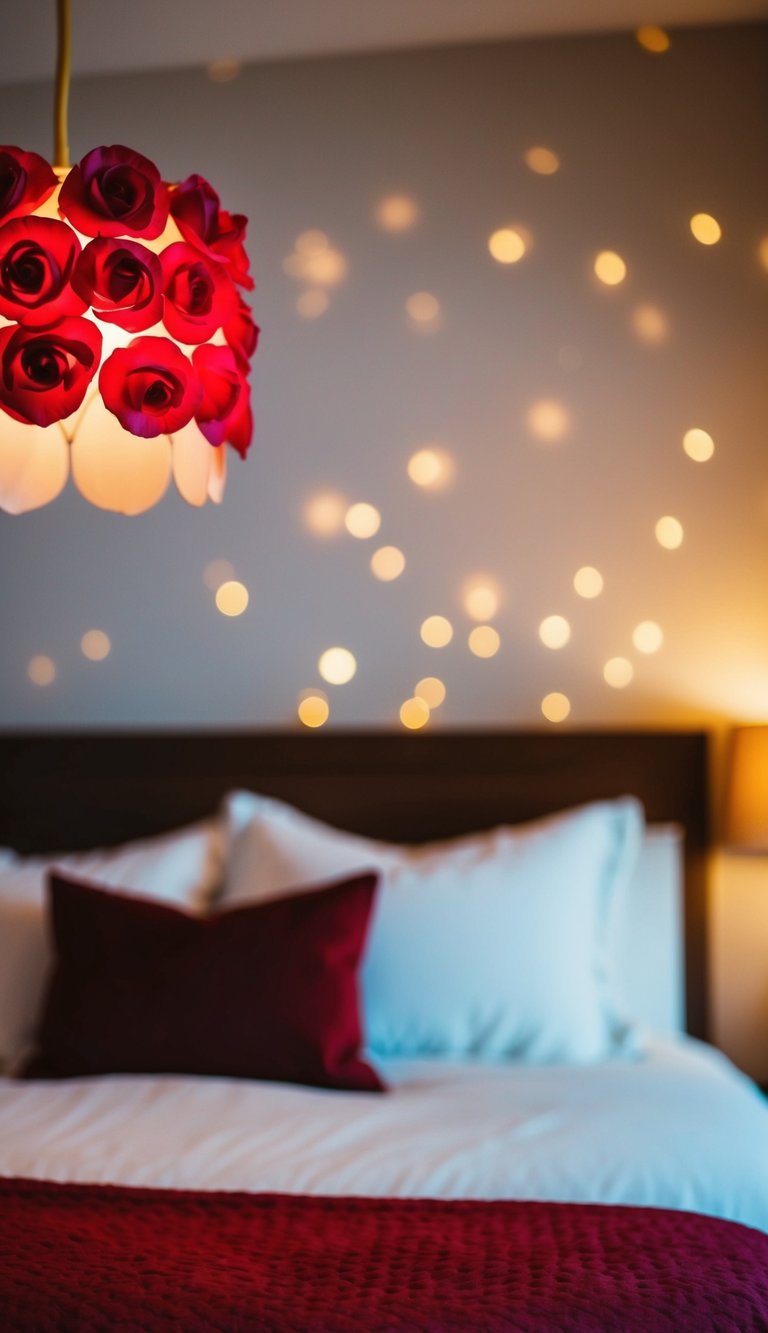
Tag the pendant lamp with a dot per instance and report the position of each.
(125, 340)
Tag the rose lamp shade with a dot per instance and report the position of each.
(746, 805)
(125, 338)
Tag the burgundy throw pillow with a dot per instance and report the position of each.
(267, 991)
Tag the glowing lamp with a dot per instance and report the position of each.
(125, 341)
(746, 805)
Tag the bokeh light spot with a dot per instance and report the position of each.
(436, 631)
(231, 598)
(484, 641)
(41, 670)
(481, 600)
(652, 39)
(698, 444)
(554, 631)
(312, 303)
(337, 665)
(387, 563)
(224, 71)
(217, 572)
(555, 706)
(610, 268)
(431, 690)
(95, 645)
(588, 581)
(669, 532)
(705, 228)
(647, 636)
(650, 324)
(507, 245)
(414, 714)
(542, 160)
(324, 513)
(431, 468)
(313, 709)
(618, 672)
(423, 310)
(547, 420)
(398, 212)
(362, 520)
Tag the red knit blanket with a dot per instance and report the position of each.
(89, 1257)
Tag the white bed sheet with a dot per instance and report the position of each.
(679, 1128)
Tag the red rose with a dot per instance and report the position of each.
(151, 387)
(240, 424)
(115, 192)
(37, 257)
(205, 224)
(44, 374)
(26, 180)
(222, 386)
(242, 335)
(199, 296)
(123, 281)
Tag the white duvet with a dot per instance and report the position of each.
(679, 1128)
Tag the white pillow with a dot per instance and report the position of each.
(490, 946)
(182, 868)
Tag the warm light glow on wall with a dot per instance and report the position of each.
(554, 631)
(481, 600)
(95, 645)
(414, 714)
(762, 252)
(362, 520)
(507, 245)
(618, 672)
(41, 670)
(387, 563)
(423, 310)
(312, 303)
(312, 242)
(698, 445)
(647, 637)
(431, 690)
(431, 468)
(397, 213)
(484, 641)
(315, 260)
(337, 665)
(324, 513)
(547, 420)
(232, 598)
(705, 228)
(669, 532)
(588, 581)
(650, 324)
(436, 631)
(610, 268)
(313, 709)
(542, 160)
(652, 39)
(217, 572)
(555, 706)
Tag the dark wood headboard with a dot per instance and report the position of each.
(69, 791)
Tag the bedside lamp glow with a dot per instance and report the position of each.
(746, 805)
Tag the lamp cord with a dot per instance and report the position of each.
(63, 67)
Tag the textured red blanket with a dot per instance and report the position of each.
(87, 1257)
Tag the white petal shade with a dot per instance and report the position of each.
(114, 469)
(218, 478)
(192, 462)
(34, 465)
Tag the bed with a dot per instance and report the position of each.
(480, 1191)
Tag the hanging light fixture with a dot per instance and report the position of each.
(125, 341)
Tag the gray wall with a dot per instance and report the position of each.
(343, 400)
